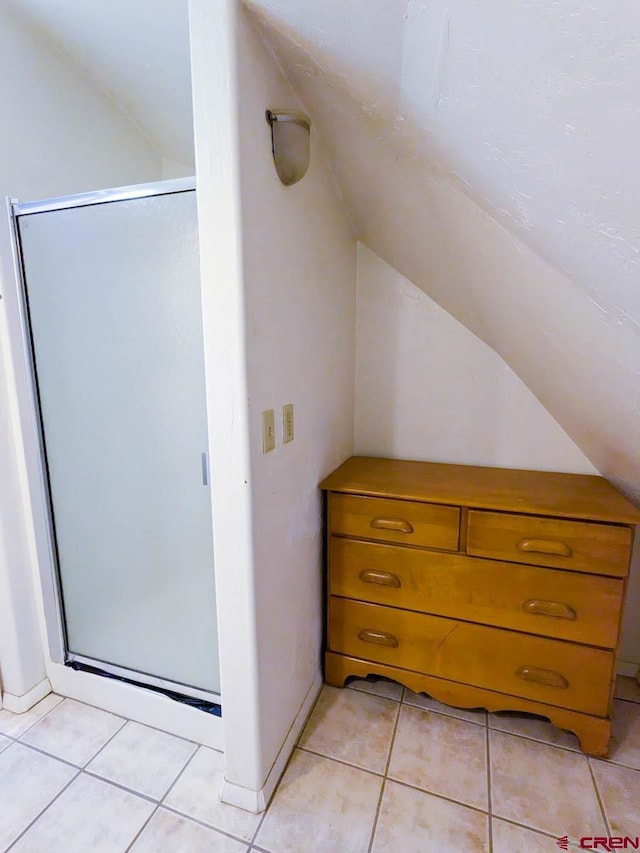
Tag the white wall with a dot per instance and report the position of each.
(299, 272)
(428, 388)
(279, 304)
(60, 134)
(514, 102)
(215, 110)
(22, 665)
(364, 72)
(137, 53)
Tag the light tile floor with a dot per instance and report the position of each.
(377, 770)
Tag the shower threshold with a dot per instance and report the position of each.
(201, 700)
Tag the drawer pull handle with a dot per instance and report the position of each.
(549, 608)
(379, 638)
(383, 578)
(545, 546)
(397, 524)
(542, 676)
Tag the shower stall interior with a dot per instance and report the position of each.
(110, 316)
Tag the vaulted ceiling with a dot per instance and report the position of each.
(135, 51)
(485, 150)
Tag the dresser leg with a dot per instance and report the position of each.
(335, 671)
(594, 735)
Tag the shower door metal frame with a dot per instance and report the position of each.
(32, 426)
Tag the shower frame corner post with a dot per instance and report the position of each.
(37, 507)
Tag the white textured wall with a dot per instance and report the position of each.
(300, 274)
(278, 268)
(517, 102)
(451, 136)
(22, 664)
(215, 107)
(136, 52)
(428, 388)
(488, 154)
(60, 134)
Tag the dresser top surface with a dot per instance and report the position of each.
(535, 492)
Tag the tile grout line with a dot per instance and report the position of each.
(489, 797)
(340, 761)
(571, 749)
(86, 771)
(121, 787)
(113, 714)
(631, 701)
(614, 763)
(105, 744)
(373, 693)
(66, 760)
(204, 824)
(534, 829)
(262, 819)
(437, 795)
(46, 808)
(444, 714)
(286, 766)
(147, 726)
(252, 845)
(173, 784)
(142, 829)
(49, 755)
(374, 825)
(180, 772)
(81, 770)
(393, 779)
(599, 798)
(39, 720)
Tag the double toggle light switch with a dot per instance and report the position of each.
(269, 427)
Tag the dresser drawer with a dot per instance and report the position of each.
(406, 522)
(549, 671)
(576, 545)
(552, 603)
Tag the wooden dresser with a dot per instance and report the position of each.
(482, 587)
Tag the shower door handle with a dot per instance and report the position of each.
(205, 468)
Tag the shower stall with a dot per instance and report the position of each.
(108, 307)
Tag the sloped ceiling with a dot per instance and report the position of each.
(136, 51)
(488, 152)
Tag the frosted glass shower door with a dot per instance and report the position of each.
(113, 295)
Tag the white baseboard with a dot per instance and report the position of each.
(20, 704)
(136, 703)
(631, 670)
(257, 801)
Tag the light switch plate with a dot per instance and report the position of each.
(287, 423)
(268, 431)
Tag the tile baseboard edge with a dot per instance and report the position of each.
(23, 703)
(257, 801)
(628, 669)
